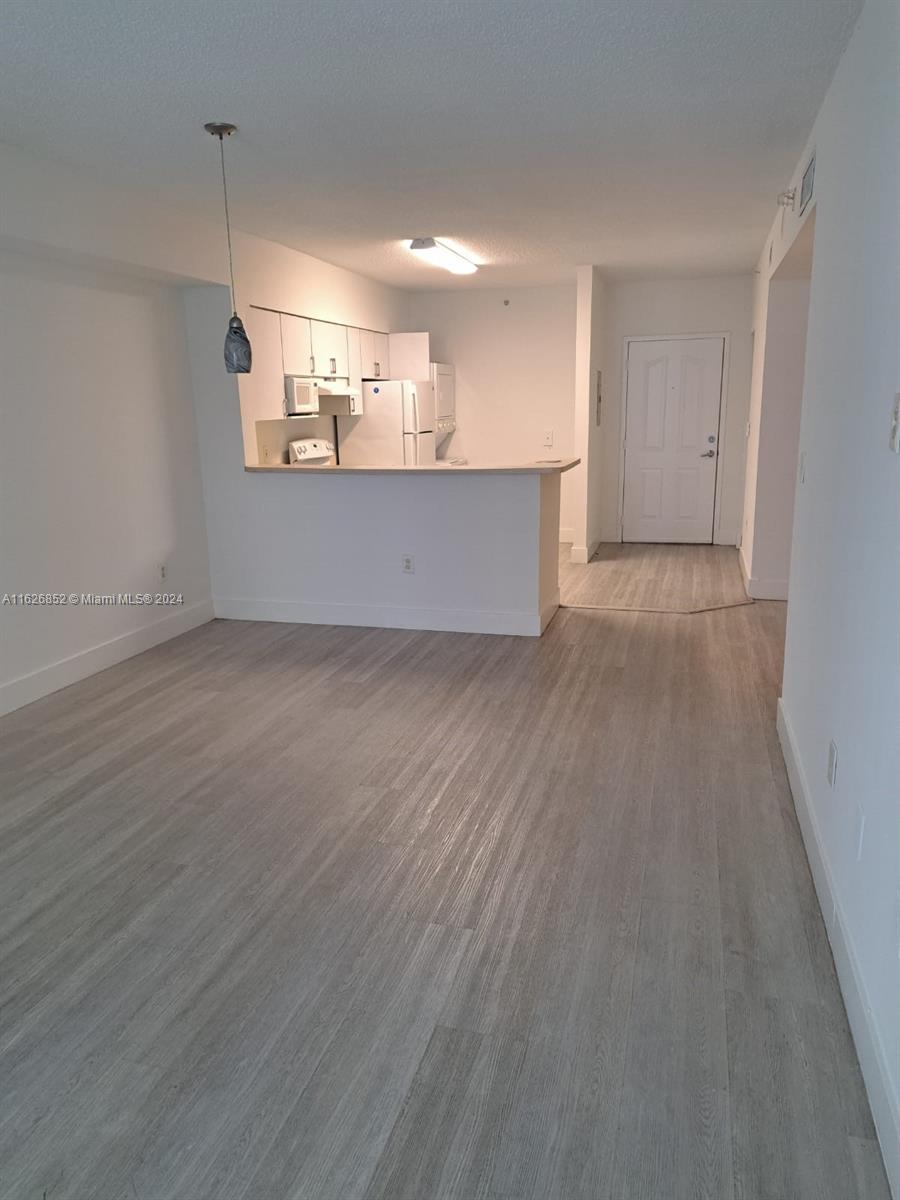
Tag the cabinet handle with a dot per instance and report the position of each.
(334, 366)
(378, 370)
(312, 365)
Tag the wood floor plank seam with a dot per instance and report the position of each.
(681, 612)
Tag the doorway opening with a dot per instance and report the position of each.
(775, 466)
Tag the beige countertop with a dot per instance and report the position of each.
(550, 466)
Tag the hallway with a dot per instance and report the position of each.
(512, 918)
(652, 577)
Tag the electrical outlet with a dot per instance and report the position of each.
(162, 570)
(408, 564)
(831, 772)
(860, 830)
(548, 437)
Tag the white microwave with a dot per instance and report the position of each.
(301, 396)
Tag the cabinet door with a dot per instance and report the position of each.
(296, 345)
(354, 358)
(329, 349)
(382, 363)
(367, 353)
(374, 355)
(262, 391)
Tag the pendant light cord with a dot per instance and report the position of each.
(227, 222)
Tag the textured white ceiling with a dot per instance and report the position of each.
(647, 136)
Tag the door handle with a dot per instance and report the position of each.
(378, 370)
(334, 366)
(312, 365)
(709, 454)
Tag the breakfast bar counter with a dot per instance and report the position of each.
(467, 548)
(546, 466)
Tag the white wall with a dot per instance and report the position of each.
(842, 658)
(98, 470)
(772, 444)
(678, 306)
(514, 372)
(91, 275)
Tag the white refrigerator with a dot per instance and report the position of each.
(396, 428)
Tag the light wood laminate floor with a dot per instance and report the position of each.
(653, 578)
(306, 912)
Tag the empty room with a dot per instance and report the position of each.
(449, 592)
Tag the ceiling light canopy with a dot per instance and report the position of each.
(438, 254)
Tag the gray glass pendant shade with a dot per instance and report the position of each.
(238, 355)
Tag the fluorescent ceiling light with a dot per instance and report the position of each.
(439, 255)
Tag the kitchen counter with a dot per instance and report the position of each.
(550, 466)
(473, 549)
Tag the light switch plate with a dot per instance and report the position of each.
(831, 772)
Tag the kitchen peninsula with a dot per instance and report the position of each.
(472, 549)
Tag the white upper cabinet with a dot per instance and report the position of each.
(411, 355)
(382, 362)
(296, 345)
(329, 349)
(374, 355)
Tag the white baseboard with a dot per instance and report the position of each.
(767, 589)
(566, 534)
(745, 574)
(870, 1048)
(761, 589)
(16, 693)
(549, 611)
(583, 554)
(443, 620)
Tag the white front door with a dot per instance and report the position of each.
(672, 402)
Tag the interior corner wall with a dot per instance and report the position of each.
(659, 308)
(751, 463)
(590, 324)
(98, 472)
(773, 440)
(513, 351)
(842, 653)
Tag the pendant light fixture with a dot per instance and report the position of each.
(238, 355)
